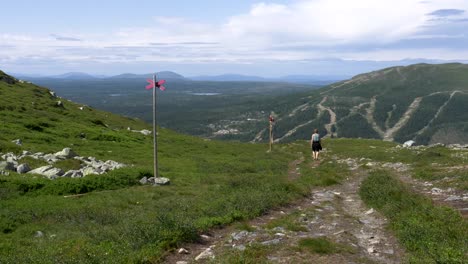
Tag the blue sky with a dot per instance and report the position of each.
(266, 38)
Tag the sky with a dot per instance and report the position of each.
(207, 37)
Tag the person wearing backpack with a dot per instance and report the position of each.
(315, 144)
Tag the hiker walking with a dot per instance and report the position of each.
(315, 144)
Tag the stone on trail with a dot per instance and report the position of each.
(271, 242)
(183, 251)
(206, 254)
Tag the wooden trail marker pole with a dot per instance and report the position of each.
(272, 120)
(155, 133)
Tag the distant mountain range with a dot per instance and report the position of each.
(304, 79)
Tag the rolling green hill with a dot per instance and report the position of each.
(423, 102)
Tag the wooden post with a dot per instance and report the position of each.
(271, 134)
(155, 137)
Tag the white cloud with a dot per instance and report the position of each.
(304, 29)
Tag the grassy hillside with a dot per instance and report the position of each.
(117, 219)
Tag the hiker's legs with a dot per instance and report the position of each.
(317, 155)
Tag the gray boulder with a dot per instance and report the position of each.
(144, 180)
(66, 153)
(50, 158)
(6, 165)
(91, 170)
(73, 174)
(48, 171)
(23, 168)
(159, 181)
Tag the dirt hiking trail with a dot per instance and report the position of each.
(336, 213)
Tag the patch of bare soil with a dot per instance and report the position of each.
(336, 213)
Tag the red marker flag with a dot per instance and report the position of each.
(272, 119)
(158, 84)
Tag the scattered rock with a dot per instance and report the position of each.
(183, 251)
(181, 262)
(206, 254)
(23, 168)
(91, 170)
(240, 247)
(205, 237)
(52, 94)
(7, 165)
(145, 132)
(18, 142)
(453, 198)
(73, 174)
(409, 143)
(66, 153)
(159, 181)
(436, 191)
(370, 211)
(144, 180)
(239, 236)
(59, 104)
(271, 242)
(38, 234)
(49, 171)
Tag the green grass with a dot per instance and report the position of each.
(289, 222)
(430, 234)
(253, 254)
(320, 245)
(115, 219)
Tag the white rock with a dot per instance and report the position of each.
(66, 153)
(145, 132)
(206, 254)
(48, 171)
(409, 143)
(160, 181)
(183, 251)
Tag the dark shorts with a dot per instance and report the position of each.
(316, 146)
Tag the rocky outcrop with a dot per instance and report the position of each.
(49, 171)
(89, 165)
